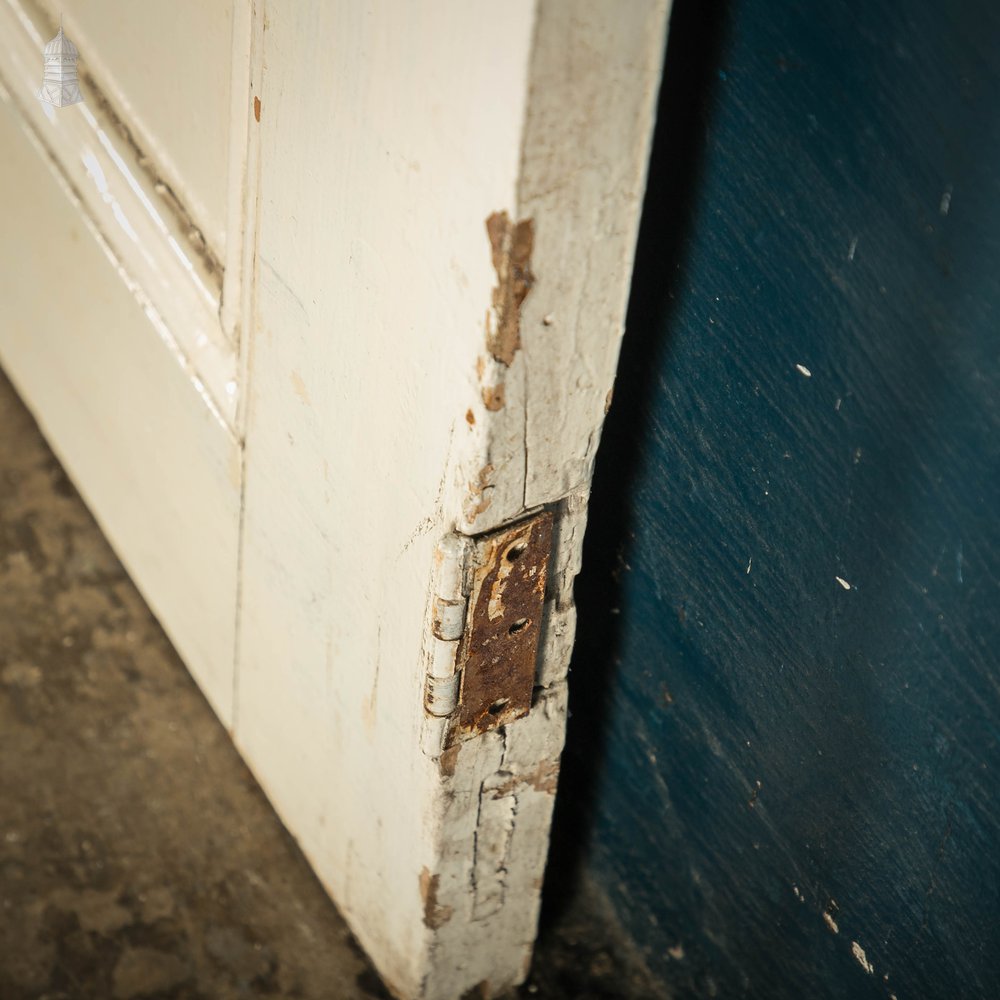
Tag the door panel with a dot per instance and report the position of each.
(146, 230)
(151, 458)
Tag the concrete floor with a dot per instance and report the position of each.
(138, 857)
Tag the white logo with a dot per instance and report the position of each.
(60, 86)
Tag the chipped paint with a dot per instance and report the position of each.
(256, 108)
(544, 778)
(435, 914)
(449, 760)
(511, 244)
(478, 500)
(494, 397)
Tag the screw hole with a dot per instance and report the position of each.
(516, 551)
(498, 706)
(519, 626)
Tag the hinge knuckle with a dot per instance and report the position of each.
(448, 618)
(441, 696)
(448, 606)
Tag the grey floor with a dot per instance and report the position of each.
(138, 857)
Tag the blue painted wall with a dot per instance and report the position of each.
(753, 745)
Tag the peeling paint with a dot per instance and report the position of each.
(435, 914)
(511, 245)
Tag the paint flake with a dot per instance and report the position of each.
(945, 205)
(859, 953)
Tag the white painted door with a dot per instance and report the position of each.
(320, 305)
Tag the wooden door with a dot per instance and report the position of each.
(320, 306)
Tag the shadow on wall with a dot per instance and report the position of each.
(817, 801)
(697, 34)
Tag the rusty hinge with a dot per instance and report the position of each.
(486, 618)
(499, 645)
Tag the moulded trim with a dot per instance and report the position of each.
(178, 287)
